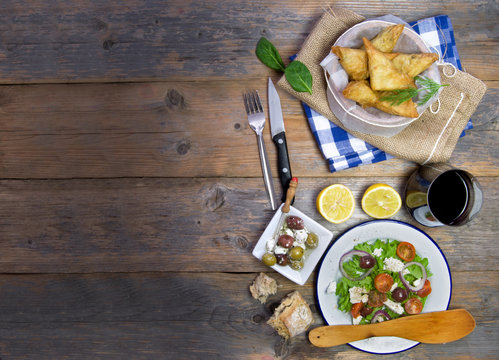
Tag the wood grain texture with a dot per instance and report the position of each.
(120, 225)
(131, 193)
(196, 129)
(186, 316)
(138, 40)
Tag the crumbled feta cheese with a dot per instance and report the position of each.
(358, 294)
(302, 245)
(287, 231)
(280, 250)
(356, 321)
(405, 272)
(417, 282)
(392, 264)
(331, 288)
(377, 252)
(394, 306)
(300, 235)
(394, 286)
(271, 244)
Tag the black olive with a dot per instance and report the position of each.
(295, 222)
(366, 310)
(285, 241)
(367, 262)
(282, 259)
(399, 294)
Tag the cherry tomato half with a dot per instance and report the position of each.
(356, 309)
(413, 306)
(406, 251)
(425, 290)
(375, 298)
(383, 282)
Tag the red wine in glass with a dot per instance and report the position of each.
(439, 194)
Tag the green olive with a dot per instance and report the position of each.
(312, 241)
(269, 259)
(297, 264)
(296, 253)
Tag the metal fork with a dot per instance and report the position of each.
(256, 119)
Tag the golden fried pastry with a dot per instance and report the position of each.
(383, 74)
(414, 64)
(360, 92)
(354, 61)
(406, 109)
(387, 38)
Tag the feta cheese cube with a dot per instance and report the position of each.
(358, 294)
(377, 252)
(417, 282)
(271, 244)
(392, 264)
(300, 235)
(356, 321)
(394, 306)
(280, 250)
(331, 288)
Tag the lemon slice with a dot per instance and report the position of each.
(415, 199)
(335, 203)
(381, 201)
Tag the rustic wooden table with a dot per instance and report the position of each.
(131, 189)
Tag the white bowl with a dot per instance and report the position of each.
(426, 247)
(298, 276)
(371, 120)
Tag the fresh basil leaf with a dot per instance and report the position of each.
(299, 77)
(268, 54)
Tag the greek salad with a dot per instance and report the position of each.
(382, 280)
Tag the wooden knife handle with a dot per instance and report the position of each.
(290, 194)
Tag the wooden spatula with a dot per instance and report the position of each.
(431, 328)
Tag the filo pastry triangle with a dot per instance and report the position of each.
(387, 38)
(414, 64)
(354, 61)
(383, 74)
(360, 92)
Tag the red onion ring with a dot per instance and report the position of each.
(380, 313)
(346, 256)
(406, 283)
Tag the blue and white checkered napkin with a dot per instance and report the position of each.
(341, 149)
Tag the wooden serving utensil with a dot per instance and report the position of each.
(290, 194)
(431, 328)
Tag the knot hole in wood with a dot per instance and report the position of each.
(215, 197)
(174, 99)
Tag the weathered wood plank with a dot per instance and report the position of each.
(136, 40)
(120, 225)
(188, 316)
(176, 129)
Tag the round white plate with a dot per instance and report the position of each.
(441, 282)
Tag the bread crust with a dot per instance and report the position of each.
(262, 287)
(292, 317)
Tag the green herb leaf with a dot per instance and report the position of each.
(429, 85)
(397, 97)
(299, 77)
(268, 54)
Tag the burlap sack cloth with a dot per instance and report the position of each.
(425, 140)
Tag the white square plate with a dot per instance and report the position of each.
(298, 276)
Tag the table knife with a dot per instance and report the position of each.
(279, 137)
